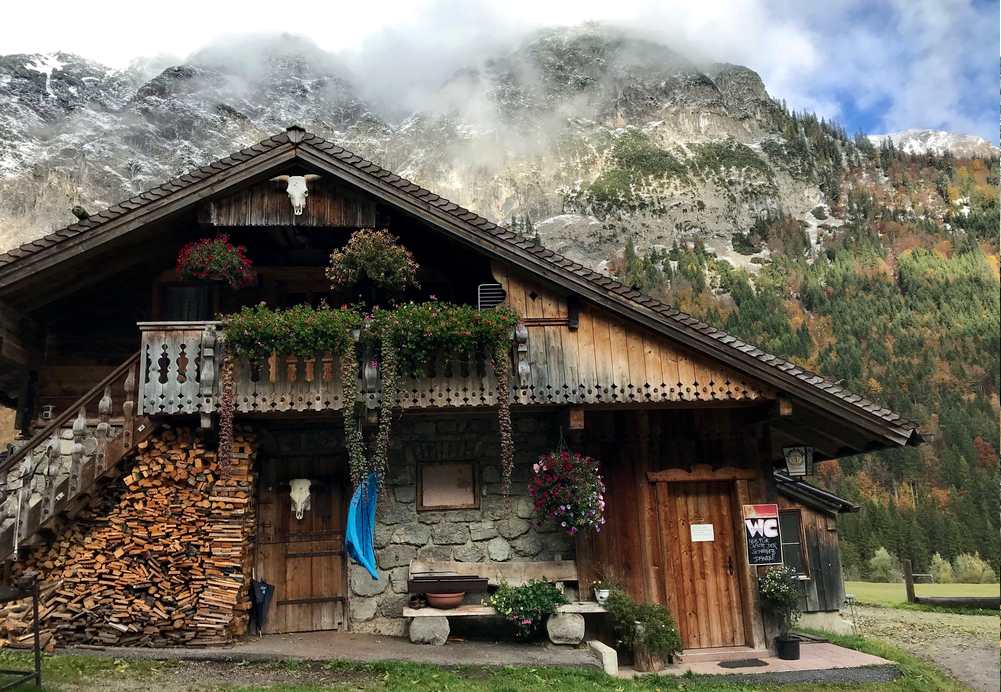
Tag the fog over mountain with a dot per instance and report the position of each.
(554, 128)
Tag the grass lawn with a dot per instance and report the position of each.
(72, 672)
(893, 595)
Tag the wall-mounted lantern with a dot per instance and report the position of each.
(799, 461)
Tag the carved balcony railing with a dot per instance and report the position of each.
(53, 473)
(180, 364)
(181, 361)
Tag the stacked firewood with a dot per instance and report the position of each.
(160, 557)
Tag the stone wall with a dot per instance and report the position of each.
(497, 531)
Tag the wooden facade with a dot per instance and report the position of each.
(687, 421)
(668, 470)
(819, 560)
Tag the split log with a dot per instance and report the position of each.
(160, 557)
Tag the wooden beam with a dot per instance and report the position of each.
(702, 472)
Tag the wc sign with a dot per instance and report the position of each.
(761, 529)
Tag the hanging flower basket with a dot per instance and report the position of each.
(215, 259)
(567, 488)
(375, 255)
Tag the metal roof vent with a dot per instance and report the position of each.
(489, 296)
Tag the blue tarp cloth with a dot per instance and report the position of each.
(361, 524)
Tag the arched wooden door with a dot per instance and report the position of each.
(698, 528)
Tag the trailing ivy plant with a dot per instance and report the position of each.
(502, 369)
(227, 408)
(354, 441)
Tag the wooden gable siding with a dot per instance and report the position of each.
(825, 590)
(609, 360)
(267, 204)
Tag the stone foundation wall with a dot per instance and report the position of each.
(496, 532)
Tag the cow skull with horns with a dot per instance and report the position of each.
(299, 495)
(297, 190)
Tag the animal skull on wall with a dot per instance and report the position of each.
(299, 495)
(296, 189)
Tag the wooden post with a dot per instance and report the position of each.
(909, 581)
(129, 408)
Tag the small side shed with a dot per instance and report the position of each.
(808, 518)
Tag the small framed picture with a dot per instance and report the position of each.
(447, 485)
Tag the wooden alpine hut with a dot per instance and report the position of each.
(164, 464)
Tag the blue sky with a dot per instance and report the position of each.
(874, 65)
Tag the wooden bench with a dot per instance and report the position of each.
(565, 627)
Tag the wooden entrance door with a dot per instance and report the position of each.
(303, 558)
(702, 575)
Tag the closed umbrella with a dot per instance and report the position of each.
(260, 597)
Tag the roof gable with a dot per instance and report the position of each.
(883, 426)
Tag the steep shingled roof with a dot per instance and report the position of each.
(533, 256)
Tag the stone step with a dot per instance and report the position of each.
(720, 653)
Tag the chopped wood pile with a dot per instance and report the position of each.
(161, 557)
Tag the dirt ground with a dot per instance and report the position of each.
(965, 645)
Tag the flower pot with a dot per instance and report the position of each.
(445, 601)
(645, 662)
(787, 648)
(601, 595)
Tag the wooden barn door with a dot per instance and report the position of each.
(303, 558)
(702, 575)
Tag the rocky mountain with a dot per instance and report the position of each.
(609, 135)
(938, 142)
(847, 255)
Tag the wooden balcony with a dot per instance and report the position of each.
(181, 361)
(597, 364)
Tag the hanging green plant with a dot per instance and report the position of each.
(376, 255)
(354, 441)
(389, 372)
(227, 408)
(502, 370)
(255, 332)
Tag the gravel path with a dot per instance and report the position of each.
(965, 645)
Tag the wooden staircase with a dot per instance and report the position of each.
(51, 476)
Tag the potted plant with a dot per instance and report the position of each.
(215, 259)
(373, 259)
(647, 629)
(780, 597)
(567, 488)
(527, 606)
(601, 591)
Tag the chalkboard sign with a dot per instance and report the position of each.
(761, 529)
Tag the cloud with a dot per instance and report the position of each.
(883, 66)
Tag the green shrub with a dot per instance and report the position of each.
(972, 569)
(780, 596)
(884, 566)
(528, 606)
(257, 331)
(941, 570)
(647, 626)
